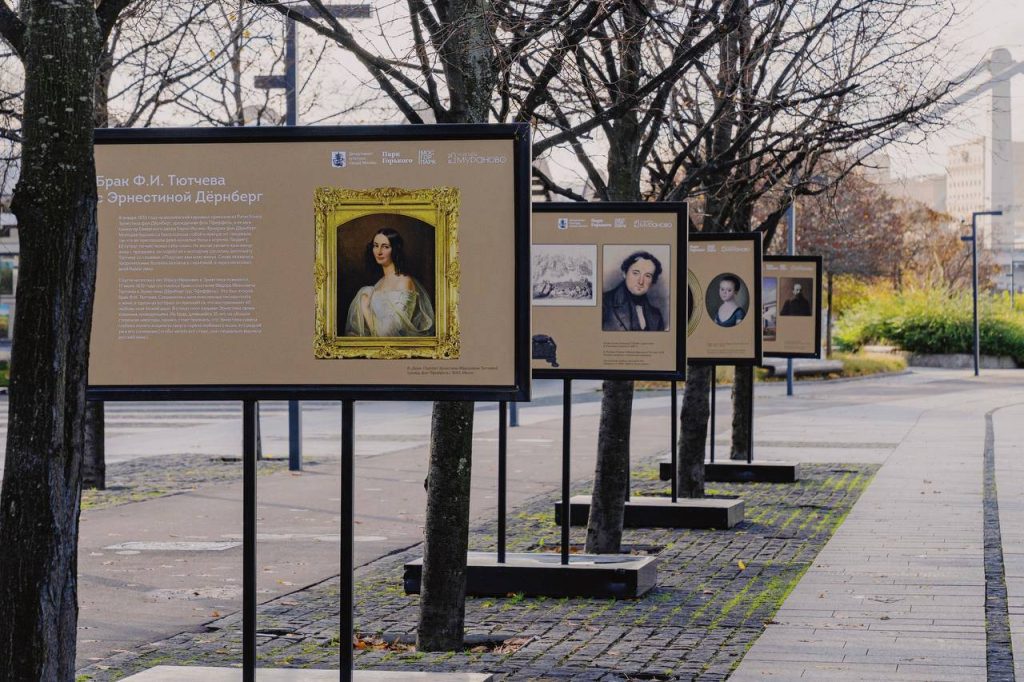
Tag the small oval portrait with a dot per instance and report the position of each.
(727, 300)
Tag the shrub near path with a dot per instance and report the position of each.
(716, 591)
(932, 321)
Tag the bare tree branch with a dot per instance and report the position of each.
(12, 29)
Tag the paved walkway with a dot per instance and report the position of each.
(905, 588)
(899, 593)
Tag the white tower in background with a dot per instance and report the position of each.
(1000, 164)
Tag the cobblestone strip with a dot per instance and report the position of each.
(999, 649)
(695, 625)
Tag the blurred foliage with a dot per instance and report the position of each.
(933, 320)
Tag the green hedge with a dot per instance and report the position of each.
(933, 322)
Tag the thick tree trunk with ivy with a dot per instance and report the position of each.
(471, 70)
(742, 402)
(55, 203)
(611, 475)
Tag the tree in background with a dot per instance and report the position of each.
(865, 234)
(794, 85)
(448, 61)
(614, 87)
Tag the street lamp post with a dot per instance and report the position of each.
(289, 83)
(791, 243)
(973, 239)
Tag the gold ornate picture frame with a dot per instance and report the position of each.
(438, 207)
(696, 308)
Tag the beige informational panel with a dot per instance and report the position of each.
(724, 294)
(321, 261)
(791, 306)
(604, 286)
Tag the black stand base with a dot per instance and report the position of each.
(662, 512)
(738, 471)
(615, 576)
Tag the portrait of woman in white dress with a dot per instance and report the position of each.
(397, 304)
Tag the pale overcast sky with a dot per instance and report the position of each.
(983, 25)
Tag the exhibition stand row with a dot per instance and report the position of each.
(407, 263)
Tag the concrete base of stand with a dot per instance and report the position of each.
(541, 574)
(738, 471)
(662, 512)
(179, 673)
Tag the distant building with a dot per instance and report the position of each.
(930, 190)
(969, 184)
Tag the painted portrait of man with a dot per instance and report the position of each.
(628, 306)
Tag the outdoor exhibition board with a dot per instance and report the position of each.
(724, 297)
(604, 290)
(379, 262)
(791, 306)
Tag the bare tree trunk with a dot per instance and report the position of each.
(94, 466)
(611, 478)
(693, 430)
(443, 585)
(828, 324)
(611, 475)
(55, 202)
(742, 400)
(471, 71)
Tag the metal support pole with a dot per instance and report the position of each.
(828, 326)
(291, 86)
(294, 436)
(974, 285)
(629, 477)
(566, 469)
(711, 426)
(513, 418)
(973, 239)
(259, 434)
(249, 541)
(502, 476)
(347, 584)
(675, 444)
(791, 247)
(750, 431)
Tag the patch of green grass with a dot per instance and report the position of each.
(863, 364)
(514, 599)
(537, 517)
(646, 474)
(736, 600)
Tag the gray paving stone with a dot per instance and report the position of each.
(915, 542)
